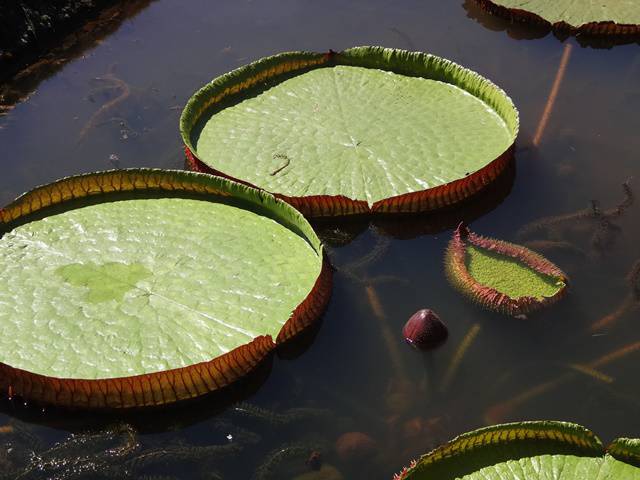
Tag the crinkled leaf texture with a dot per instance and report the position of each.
(540, 450)
(369, 129)
(143, 287)
(594, 17)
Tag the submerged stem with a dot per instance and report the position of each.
(389, 339)
(553, 94)
(461, 351)
(498, 412)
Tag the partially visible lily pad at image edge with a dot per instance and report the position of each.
(598, 18)
(366, 130)
(142, 287)
(533, 450)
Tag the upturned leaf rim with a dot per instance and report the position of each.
(416, 64)
(178, 384)
(471, 451)
(461, 278)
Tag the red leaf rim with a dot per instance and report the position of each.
(168, 386)
(436, 198)
(461, 278)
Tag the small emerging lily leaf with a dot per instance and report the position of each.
(145, 287)
(369, 129)
(592, 17)
(502, 276)
(540, 450)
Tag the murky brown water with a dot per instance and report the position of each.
(356, 378)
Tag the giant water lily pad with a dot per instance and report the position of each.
(592, 17)
(368, 129)
(144, 287)
(500, 275)
(542, 450)
(528, 450)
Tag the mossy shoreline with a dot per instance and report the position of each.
(37, 37)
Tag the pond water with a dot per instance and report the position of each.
(357, 374)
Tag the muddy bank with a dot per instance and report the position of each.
(37, 37)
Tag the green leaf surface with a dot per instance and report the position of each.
(364, 133)
(539, 450)
(143, 285)
(579, 12)
(508, 275)
(502, 276)
(104, 282)
(557, 467)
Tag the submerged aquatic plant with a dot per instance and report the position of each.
(279, 419)
(92, 454)
(630, 303)
(502, 276)
(105, 112)
(119, 453)
(503, 409)
(163, 457)
(600, 223)
(459, 355)
(268, 469)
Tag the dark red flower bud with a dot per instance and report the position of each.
(424, 330)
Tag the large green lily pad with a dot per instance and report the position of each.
(121, 287)
(541, 450)
(528, 450)
(367, 129)
(500, 275)
(597, 17)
